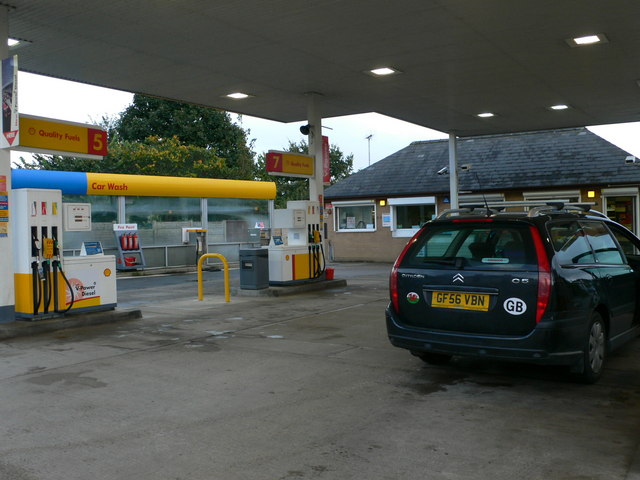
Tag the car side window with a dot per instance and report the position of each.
(570, 243)
(629, 243)
(604, 246)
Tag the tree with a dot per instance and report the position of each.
(155, 156)
(291, 188)
(193, 125)
(163, 137)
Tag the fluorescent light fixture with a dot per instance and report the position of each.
(486, 115)
(14, 43)
(238, 95)
(560, 106)
(383, 71)
(587, 40)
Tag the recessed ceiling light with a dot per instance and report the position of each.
(14, 43)
(383, 71)
(486, 115)
(587, 40)
(238, 95)
(559, 107)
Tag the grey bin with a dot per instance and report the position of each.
(254, 268)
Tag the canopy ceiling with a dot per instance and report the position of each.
(458, 58)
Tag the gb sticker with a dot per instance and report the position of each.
(515, 306)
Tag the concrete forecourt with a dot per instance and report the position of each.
(292, 387)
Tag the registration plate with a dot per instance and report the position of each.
(460, 300)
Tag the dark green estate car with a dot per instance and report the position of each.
(557, 285)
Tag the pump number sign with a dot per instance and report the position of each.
(44, 135)
(289, 164)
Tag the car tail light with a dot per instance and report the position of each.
(393, 278)
(544, 274)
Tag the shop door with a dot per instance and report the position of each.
(622, 209)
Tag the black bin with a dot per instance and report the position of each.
(254, 268)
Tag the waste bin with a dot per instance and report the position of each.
(254, 268)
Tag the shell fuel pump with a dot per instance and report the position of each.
(43, 288)
(296, 253)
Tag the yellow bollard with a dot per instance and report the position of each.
(227, 294)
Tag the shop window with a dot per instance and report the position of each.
(409, 214)
(413, 216)
(355, 218)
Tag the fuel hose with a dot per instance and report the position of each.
(58, 264)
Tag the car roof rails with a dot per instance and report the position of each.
(564, 207)
(471, 209)
(536, 208)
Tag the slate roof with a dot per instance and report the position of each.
(524, 161)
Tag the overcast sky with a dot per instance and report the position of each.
(64, 100)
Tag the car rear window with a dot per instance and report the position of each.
(488, 246)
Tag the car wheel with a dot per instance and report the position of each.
(433, 358)
(595, 350)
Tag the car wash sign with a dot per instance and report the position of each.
(57, 137)
(287, 164)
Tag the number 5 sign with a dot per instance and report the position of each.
(97, 142)
(57, 137)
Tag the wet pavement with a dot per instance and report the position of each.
(297, 387)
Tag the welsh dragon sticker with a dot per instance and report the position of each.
(413, 297)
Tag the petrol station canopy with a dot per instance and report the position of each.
(455, 58)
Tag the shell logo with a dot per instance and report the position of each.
(107, 272)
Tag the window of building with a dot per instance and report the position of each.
(621, 205)
(480, 199)
(409, 214)
(355, 216)
(572, 196)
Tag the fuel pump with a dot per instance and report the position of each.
(295, 250)
(42, 288)
(201, 239)
(37, 222)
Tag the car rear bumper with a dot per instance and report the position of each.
(545, 344)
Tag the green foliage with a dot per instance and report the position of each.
(291, 188)
(155, 156)
(193, 125)
(162, 137)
